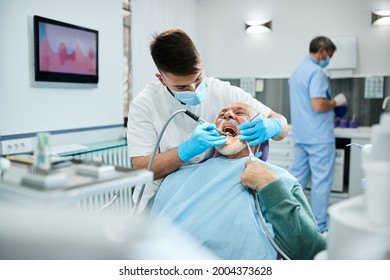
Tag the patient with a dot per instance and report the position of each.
(213, 201)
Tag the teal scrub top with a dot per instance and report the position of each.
(306, 82)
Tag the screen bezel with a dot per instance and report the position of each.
(60, 77)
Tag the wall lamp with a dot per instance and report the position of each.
(380, 18)
(258, 26)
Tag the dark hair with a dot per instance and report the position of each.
(321, 42)
(174, 52)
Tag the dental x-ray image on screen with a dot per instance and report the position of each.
(65, 52)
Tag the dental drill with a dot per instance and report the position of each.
(201, 121)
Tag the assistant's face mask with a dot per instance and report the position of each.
(192, 97)
(324, 63)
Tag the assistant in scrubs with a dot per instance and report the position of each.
(312, 119)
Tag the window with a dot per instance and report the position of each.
(126, 58)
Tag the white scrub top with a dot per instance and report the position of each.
(154, 105)
(306, 82)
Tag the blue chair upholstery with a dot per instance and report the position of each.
(264, 148)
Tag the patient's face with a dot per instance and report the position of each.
(228, 120)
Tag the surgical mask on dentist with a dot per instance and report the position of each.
(192, 97)
(324, 63)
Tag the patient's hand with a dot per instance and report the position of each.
(257, 175)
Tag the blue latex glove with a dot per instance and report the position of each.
(205, 136)
(259, 130)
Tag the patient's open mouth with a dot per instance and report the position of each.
(230, 129)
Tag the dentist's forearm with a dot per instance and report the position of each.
(285, 127)
(163, 164)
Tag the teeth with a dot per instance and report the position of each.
(230, 131)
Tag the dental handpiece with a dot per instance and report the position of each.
(201, 121)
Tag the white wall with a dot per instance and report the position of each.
(295, 23)
(227, 51)
(150, 17)
(25, 108)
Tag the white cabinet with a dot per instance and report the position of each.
(348, 173)
(281, 153)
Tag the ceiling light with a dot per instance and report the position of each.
(380, 18)
(258, 26)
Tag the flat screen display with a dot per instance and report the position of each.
(65, 52)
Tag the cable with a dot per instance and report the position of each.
(251, 155)
(194, 117)
(108, 204)
(277, 248)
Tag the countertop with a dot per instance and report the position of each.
(362, 132)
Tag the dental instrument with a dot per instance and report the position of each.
(251, 155)
(201, 121)
(254, 116)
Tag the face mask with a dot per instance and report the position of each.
(192, 97)
(324, 63)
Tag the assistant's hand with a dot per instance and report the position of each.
(257, 175)
(205, 136)
(259, 130)
(340, 99)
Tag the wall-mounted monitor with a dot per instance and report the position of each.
(64, 52)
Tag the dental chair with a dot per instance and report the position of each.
(264, 148)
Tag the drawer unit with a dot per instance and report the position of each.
(281, 153)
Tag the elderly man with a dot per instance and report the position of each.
(215, 201)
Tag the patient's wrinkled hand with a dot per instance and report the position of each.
(257, 175)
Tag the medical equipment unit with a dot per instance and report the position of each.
(360, 227)
(251, 157)
(78, 208)
(97, 179)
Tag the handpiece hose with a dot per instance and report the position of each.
(149, 168)
(137, 204)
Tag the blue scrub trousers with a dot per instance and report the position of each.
(316, 162)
